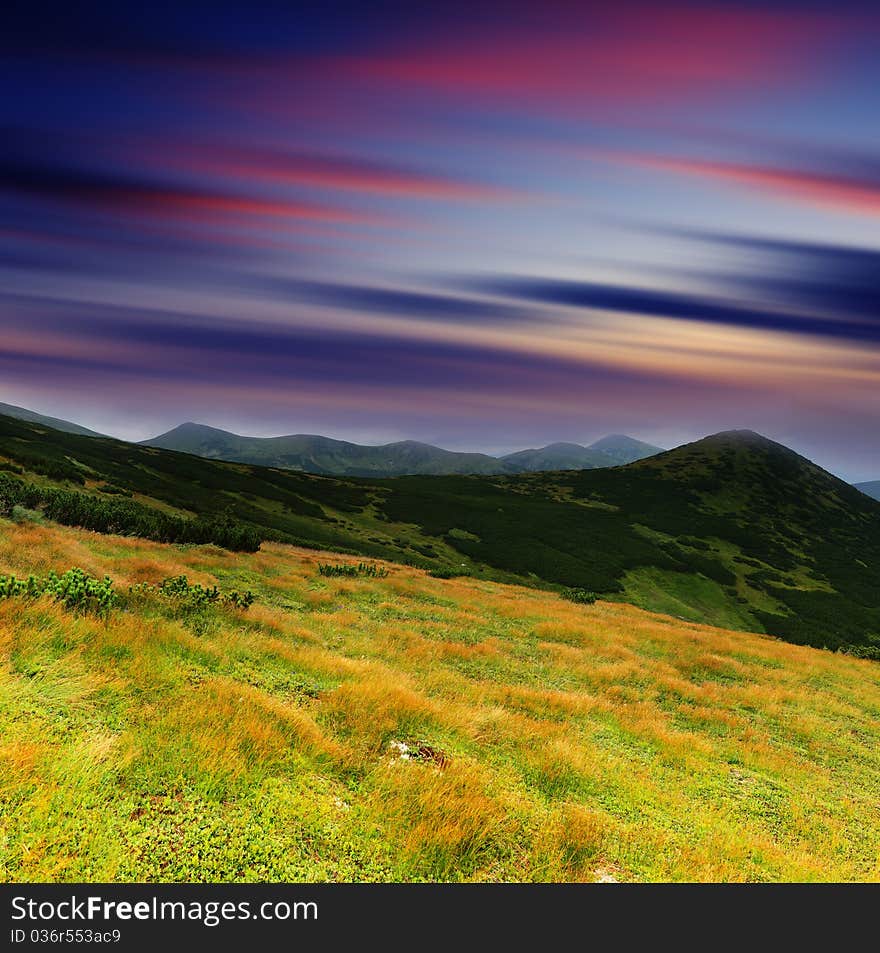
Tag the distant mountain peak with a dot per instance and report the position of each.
(623, 449)
(190, 426)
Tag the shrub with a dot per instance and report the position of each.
(10, 587)
(370, 570)
(446, 572)
(21, 514)
(582, 596)
(76, 589)
(194, 605)
(179, 587)
(863, 651)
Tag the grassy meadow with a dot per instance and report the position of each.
(405, 727)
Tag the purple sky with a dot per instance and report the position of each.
(487, 226)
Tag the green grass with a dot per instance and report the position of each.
(545, 740)
(686, 596)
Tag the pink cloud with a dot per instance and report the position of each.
(823, 189)
(632, 56)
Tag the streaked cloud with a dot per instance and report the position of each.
(253, 214)
(580, 56)
(330, 172)
(681, 306)
(836, 191)
(119, 192)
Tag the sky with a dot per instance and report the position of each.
(483, 225)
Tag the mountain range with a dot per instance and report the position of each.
(733, 530)
(315, 454)
(324, 455)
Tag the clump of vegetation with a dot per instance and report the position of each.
(179, 587)
(200, 608)
(446, 572)
(76, 590)
(863, 651)
(11, 586)
(21, 514)
(366, 570)
(81, 592)
(582, 596)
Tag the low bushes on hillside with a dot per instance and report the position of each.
(53, 468)
(125, 517)
(81, 592)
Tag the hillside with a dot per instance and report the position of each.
(22, 413)
(872, 488)
(409, 728)
(733, 530)
(315, 454)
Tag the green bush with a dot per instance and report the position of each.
(76, 589)
(194, 605)
(446, 572)
(863, 651)
(581, 596)
(370, 570)
(21, 514)
(179, 587)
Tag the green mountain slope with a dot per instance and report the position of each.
(733, 530)
(872, 488)
(22, 413)
(315, 454)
